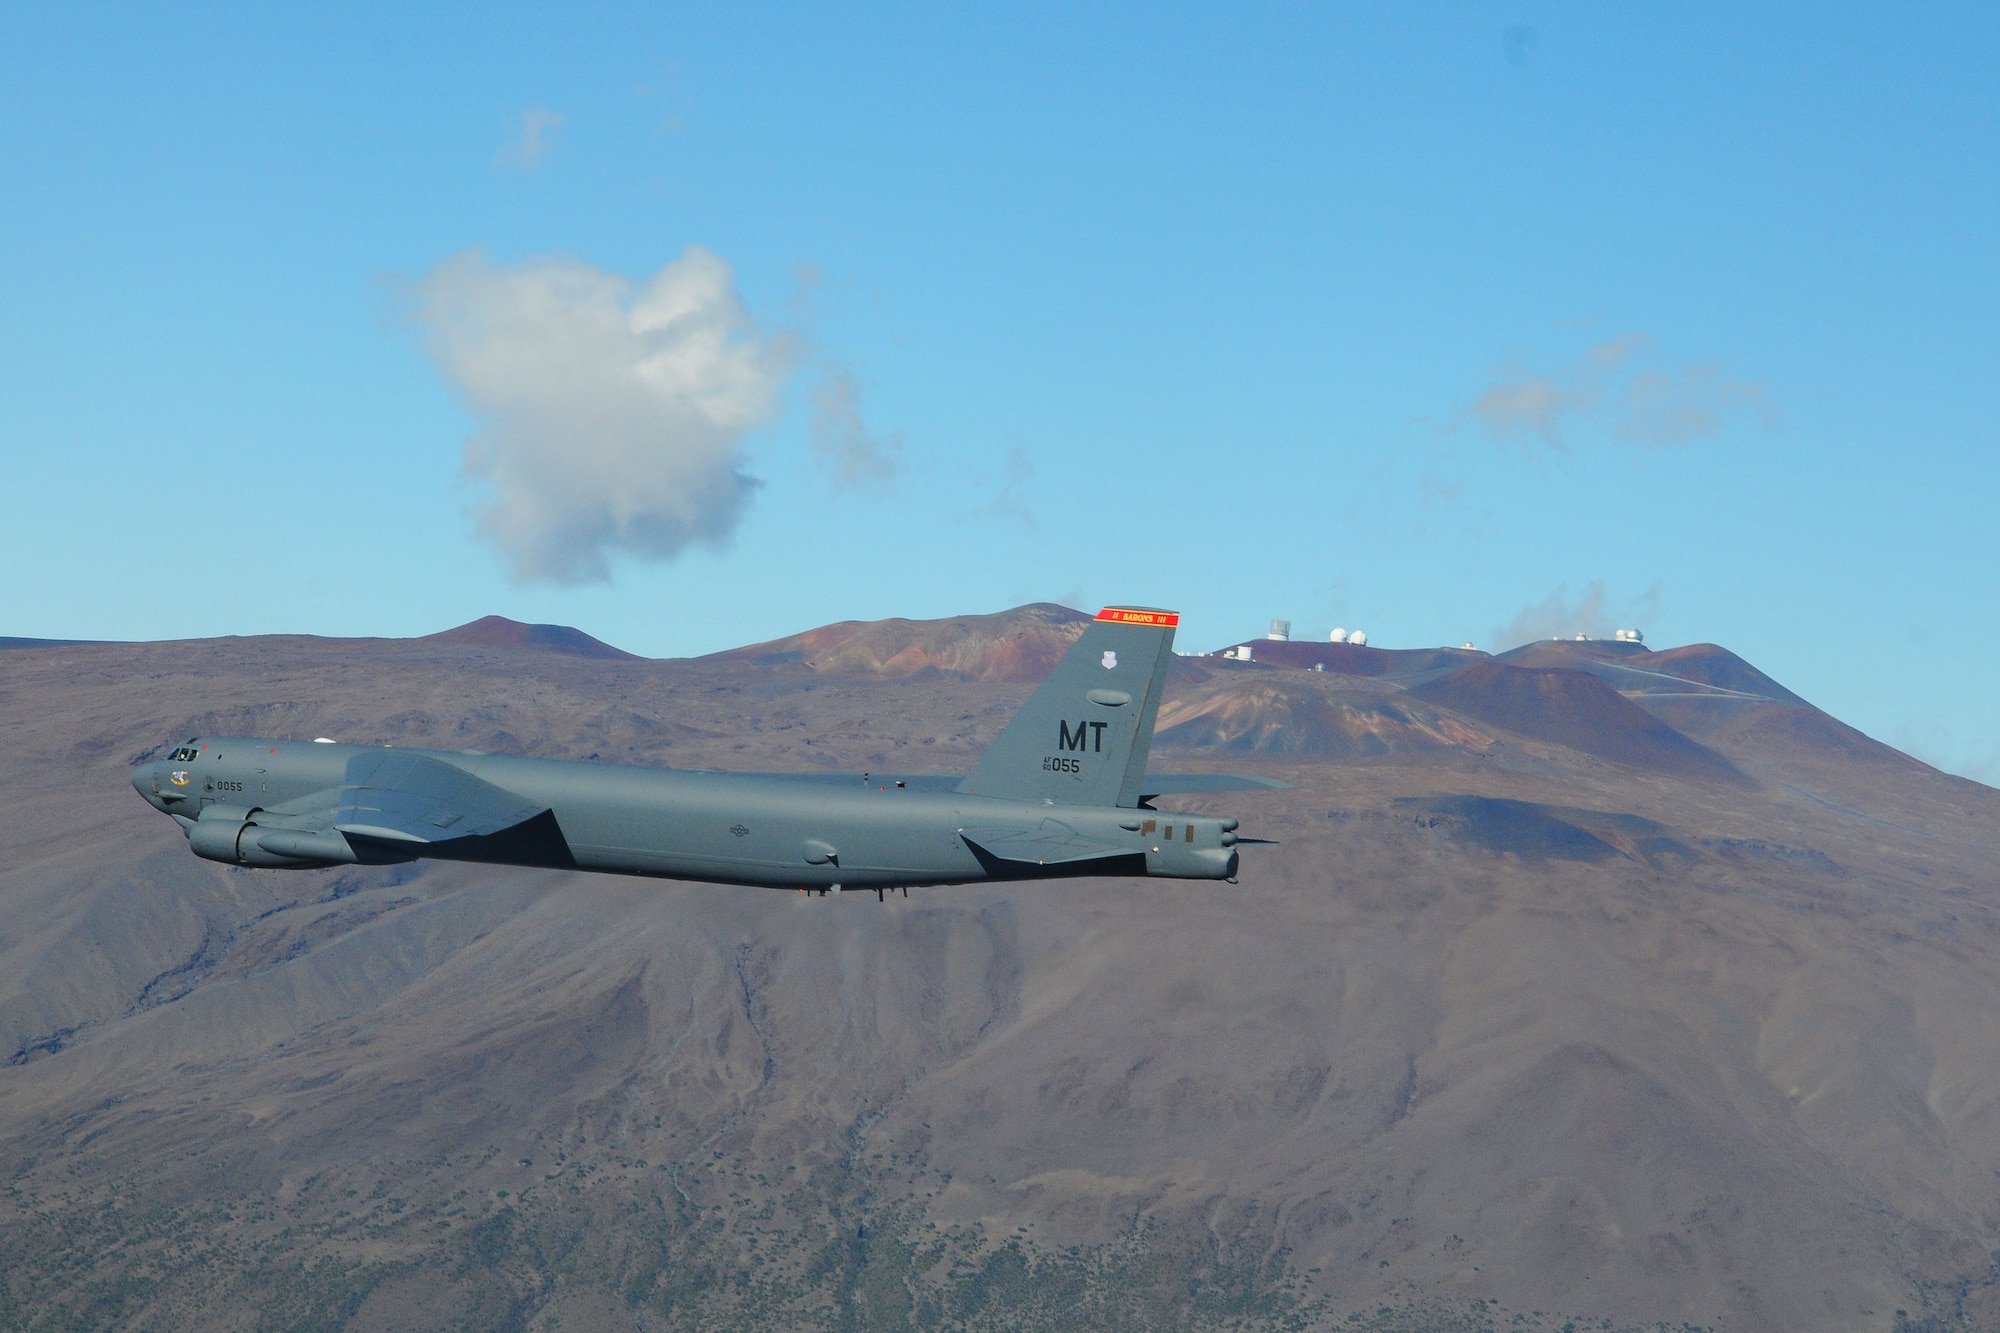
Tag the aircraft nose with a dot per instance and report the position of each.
(142, 778)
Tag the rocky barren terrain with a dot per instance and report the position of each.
(1586, 986)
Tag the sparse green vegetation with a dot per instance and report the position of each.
(830, 1259)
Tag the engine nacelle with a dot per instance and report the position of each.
(214, 838)
(1189, 846)
(233, 838)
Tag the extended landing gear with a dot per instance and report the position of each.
(881, 894)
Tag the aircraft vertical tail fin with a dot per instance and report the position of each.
(1085, 734)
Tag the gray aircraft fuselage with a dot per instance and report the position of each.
(728, 828)
(1062, 791)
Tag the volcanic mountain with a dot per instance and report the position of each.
(1019, 645)
(1584, 986)
(500, 632)
(1574, 709)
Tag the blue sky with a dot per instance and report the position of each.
(1450, 323)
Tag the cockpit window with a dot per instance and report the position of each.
(183, 755)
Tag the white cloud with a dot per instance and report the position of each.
(1609, 389)
(1517, 405)
(1591, 613)
(612, 414)
(842, 443)
(1674, 406)
(532, 142)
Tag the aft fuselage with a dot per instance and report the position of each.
(807, 831)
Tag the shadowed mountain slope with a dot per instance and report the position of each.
(7, 642)
(1542, 832)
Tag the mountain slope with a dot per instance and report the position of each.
(1496, 1020)
(1023, 644)
(500, 632)
(1574, 709)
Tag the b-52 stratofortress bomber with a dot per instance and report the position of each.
(1062, 791)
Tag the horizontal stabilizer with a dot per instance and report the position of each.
(1052, 844)
(409, 798)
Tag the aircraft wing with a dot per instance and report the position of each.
(1050, 845)
(409, 798)
(1165, 784)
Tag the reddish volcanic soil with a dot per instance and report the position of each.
(500, 632)
(1019, 645)
(1706, 664)
(1305, 713)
